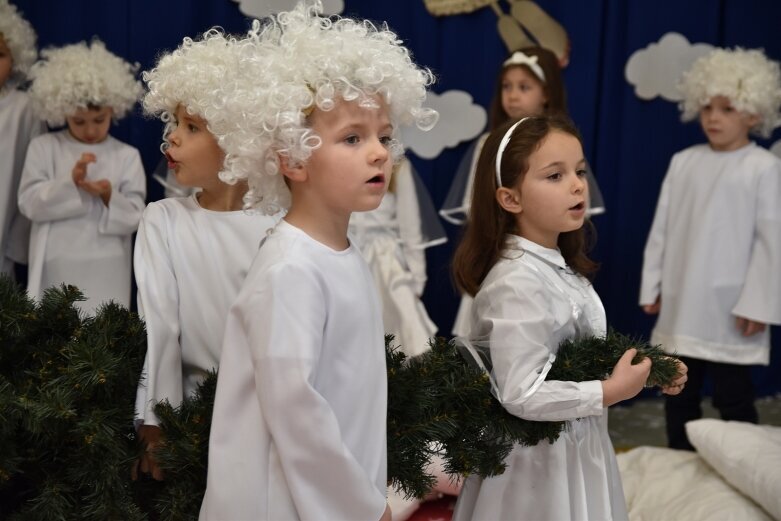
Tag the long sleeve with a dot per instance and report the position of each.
(42, 198)
(653, 257)
(124, 210)
(520, 317)
(158, 305)
(324, 478)
(760, 297)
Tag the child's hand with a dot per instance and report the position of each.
(150, 437)
(749, 327)
(626, 379)
(677, 385)
(386, 516)
(79, 171)
(100, 188)
(653, 309)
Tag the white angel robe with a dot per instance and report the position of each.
(714, 253)
(18, 126)
(393, 242)
(456, 210)
(75, 238)
(298, 430)
(189, 263)
(527, 305)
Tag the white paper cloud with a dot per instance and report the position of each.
(261, 8)
(656, 70)
(460, 119)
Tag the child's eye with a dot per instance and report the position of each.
(192, 128)
(352, 139)
(729, 109)
(386, 140)
(99, 121)
(554, 176)
(581, 172)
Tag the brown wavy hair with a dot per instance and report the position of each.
(553, 86)
(485, 235)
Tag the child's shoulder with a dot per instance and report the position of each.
(164, 209)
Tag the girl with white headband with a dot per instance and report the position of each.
(529, 84)
(523, 259)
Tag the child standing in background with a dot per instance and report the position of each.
(529, 84)
(299, 427)
(393, 240)
(712, 266)
(523, 258)
(192, 253)
(82, 189)
(18, 126)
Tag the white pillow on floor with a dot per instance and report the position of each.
(747, 456)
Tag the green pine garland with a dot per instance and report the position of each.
(67, 397)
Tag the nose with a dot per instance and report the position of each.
(579, 185)
(173, 137)
(379, 152)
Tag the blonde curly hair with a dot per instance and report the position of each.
(300, 60)
(20, 38)
(746, 77)
(79, 76)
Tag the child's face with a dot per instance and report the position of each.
(522, 93)
(553, 192)
(6, 61)
(726, 128)
(351, 170)
(193, 153)
(90, 125)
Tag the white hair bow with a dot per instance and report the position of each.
(519, 58)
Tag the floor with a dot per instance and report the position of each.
(641, 423)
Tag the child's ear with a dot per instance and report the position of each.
(752, 120)
(509, 199)
(294, 172)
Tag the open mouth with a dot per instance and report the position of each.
(378, 179)
(171, 161)
(579, 206)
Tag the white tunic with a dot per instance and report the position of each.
(189, 264)
(714, 253)
(18, 126)
(298, 430)
(75, 238)
(529, 303)
(391, 240)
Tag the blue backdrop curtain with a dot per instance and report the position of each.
(628, 141)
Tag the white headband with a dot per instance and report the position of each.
(518, 58)
(500, 152)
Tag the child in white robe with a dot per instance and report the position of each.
(530, 83)
(523, 258)
(298, 430)
(82, 189)
(712, 265)
(18, 126)
(192, 253)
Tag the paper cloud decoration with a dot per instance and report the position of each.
(460, 119)
(656, 70)
(261, 8)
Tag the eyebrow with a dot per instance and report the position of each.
(560, 163)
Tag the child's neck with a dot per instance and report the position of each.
(331, 231)
(226, 198)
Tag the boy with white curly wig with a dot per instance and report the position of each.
(298, 430)
(711, 268)
(192, 253)
(82, 189)
(18, 126)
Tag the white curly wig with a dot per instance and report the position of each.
(78, 76)
(209, 78)
(299, 60)
(20, 38)
(746, 77)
